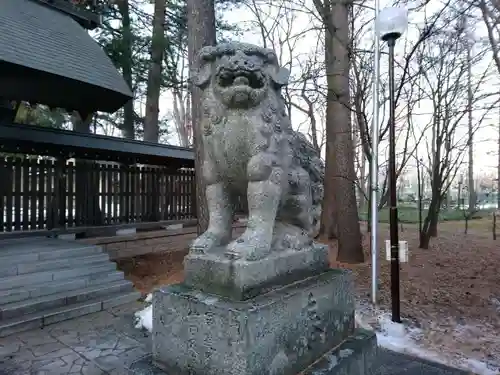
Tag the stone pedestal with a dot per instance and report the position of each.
(240, 279)
(281, 332)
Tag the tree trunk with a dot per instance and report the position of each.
(370, 197)
(429, 228)
(472, 190)
(181, 116)
(151, 130)
(328, 226)
(424, 236)
(498, 163)
(339, 133)
(363, 194)
(201, 32)
(126, 64)
(433, 229)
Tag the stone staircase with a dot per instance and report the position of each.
(47, 280)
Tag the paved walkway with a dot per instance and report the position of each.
(106, 343)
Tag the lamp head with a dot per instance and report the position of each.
(392, 23)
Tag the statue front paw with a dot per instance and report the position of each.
(207, 242)
(249, 246)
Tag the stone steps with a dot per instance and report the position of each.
(44, 318)
(46, 280)
(33, 291)
(41, 254)
(54, 264)
(52, 275)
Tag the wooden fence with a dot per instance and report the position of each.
(46, 193)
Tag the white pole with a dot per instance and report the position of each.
(374, 164)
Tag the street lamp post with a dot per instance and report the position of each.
(374, 163)
(392, 24)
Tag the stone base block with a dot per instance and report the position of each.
(279, 333)
(240, 279)
(355, 356)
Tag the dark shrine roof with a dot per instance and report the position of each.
(46, 57)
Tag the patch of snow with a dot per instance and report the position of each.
(403, 339)
(210, 300)
(143, 319)
(332, 362)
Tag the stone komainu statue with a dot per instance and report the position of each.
(250, 150)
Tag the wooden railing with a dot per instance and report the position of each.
(47, 193)
(63, 181)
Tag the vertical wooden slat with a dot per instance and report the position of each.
(79, 188)
(173, 177)
(33, 177)
(179, 194)
(126, 194)
(121, 194)
(162, 184)
(148, 213)
(62, 192)
(187, 198)
(153, 196)
(133, 193)
(49, 183)
(101, 190)
(115, 195)
(9, 192)
(25, 171)
(193, 195)
(171, 196)
(191, 188)
(147, 200)
(56, 203)
(70, 172)
(143, 193)
(42, 177)
(99, 217)
(92, 213)
(3, 188)
(17, 194)
(187, 180)
(109, 193)
(183, 194)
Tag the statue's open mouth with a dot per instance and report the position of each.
(252, 80)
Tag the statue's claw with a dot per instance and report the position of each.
(206, 243)
(248, 246)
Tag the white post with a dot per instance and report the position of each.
(374, 164)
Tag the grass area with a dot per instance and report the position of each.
(410, 215)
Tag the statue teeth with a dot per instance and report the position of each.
(241, 81)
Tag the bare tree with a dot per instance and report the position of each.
(445, 79)
(490, 13)
(151, 128)
(340, 194)
(278, 29)
(128, 110)
(181, 103)
(201, 32)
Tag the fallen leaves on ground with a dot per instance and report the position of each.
(153, 270)
(450, 291)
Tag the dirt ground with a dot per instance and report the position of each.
(451, 291)
(152, 270)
